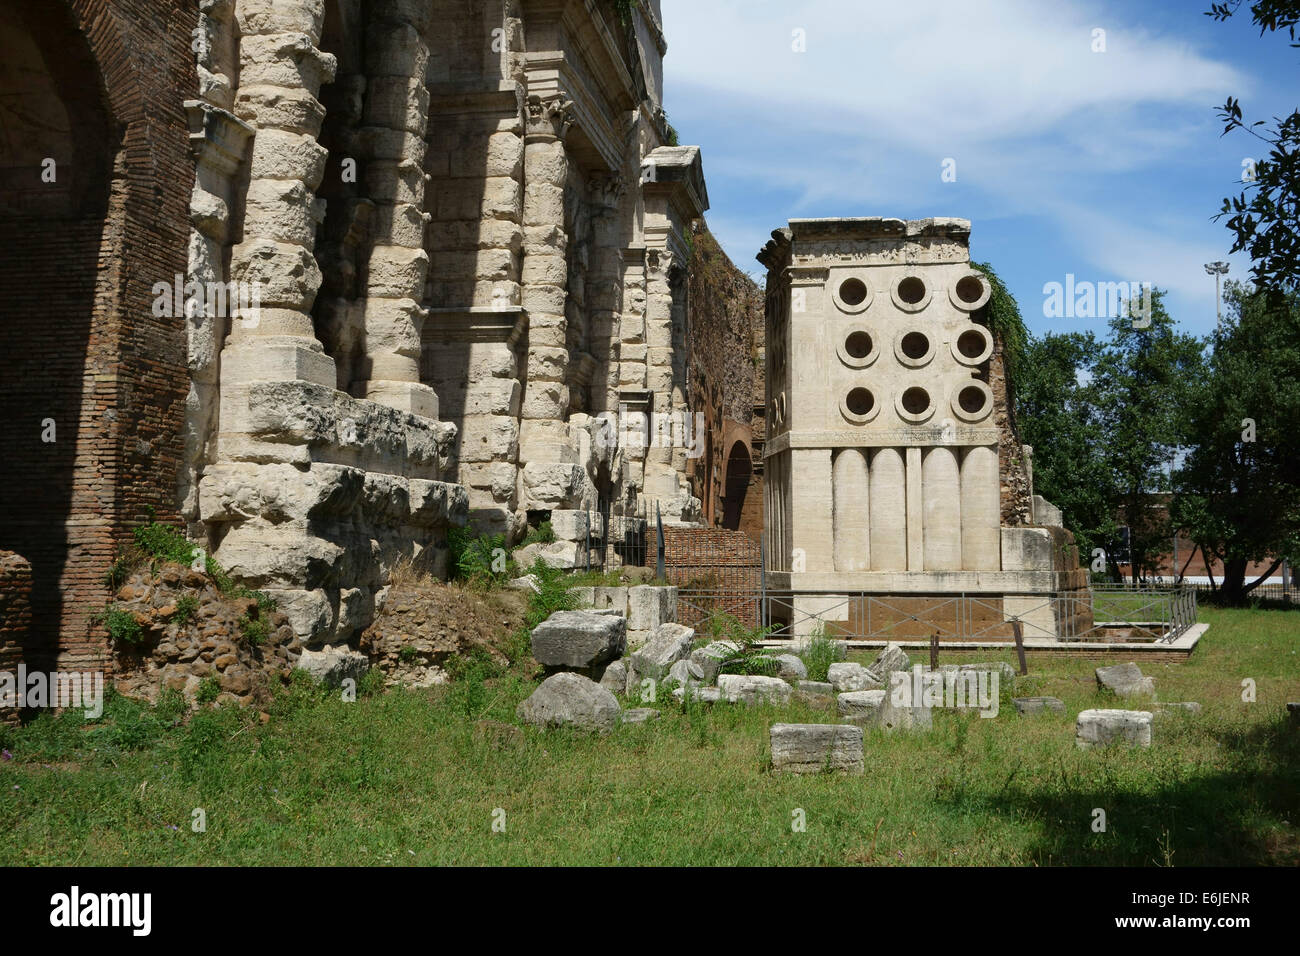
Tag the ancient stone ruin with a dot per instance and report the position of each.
(892, 466)
(318, 280)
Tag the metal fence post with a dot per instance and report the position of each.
(659, 550)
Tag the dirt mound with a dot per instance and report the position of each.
(423, 624)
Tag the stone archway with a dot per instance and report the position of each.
(56, 161)
(739, 471)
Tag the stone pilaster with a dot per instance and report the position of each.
(219, 142)
(604, 290)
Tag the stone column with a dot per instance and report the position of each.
(941, 504)
(396, 117)
(981, 540)
(280, 76)
(543, 436)
(852, 503)
(888, 511)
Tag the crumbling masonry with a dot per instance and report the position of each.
(332, 277)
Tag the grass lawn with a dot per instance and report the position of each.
(407, 778)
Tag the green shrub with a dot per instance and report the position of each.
(162, 542)
(187, 608)
(819, 654)
(478, 561)
(542, 534)
(121, 624)
(408, 654)
(207, 739)
(254, 629)
(118, 571)
(209, 690)
(553, 594)
(750, 658)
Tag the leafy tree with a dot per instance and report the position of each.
(1143, 380)
(1238, 493)
(1105, 420)
(1265, 217)
(1057, 415)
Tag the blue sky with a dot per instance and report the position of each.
(1108, 165)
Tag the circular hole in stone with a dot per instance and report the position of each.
(970, 344)
(915, 345)
(971, 399)
(853, 291)
(858, 345)
(860, 401)
(969, 289)
(911, 290)
(916, 400)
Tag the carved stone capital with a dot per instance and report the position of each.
(551, 116)
(607, 191)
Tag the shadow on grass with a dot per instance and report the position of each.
(1244, 817)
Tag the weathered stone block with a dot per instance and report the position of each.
(571, 700)
(1125, 680)
(668, 644)
(578, 639)
(1098, 728)
(750, 689)
(816, 748)
(845, 676)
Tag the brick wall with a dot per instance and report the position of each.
(724, 562)
(726, 309)
(86, 352)
(15, 616)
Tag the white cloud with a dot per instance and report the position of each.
(1038, 123)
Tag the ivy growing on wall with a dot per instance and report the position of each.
(1004, 320)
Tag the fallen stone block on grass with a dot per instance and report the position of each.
(816, 748)
(892, 658)
(577, 640)
(708, 659)
(1037, 705)
(640, 715)
(668, 644)
(571, 700)
(614, 679)
(1125, 680)
(851, 677)
(332, 666)
(680, 674)
(861, 706)
(707, 695)
(815, 693)
(1099, 728)
(790, 668)
(893, 717)
(1005, 671)
(753, 689)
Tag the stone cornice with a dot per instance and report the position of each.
(218, 138)
(678, 173)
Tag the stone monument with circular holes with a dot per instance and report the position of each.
(887, 484)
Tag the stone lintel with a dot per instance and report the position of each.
(479, 323)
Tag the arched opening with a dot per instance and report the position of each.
(56, 154)
(739, 471)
